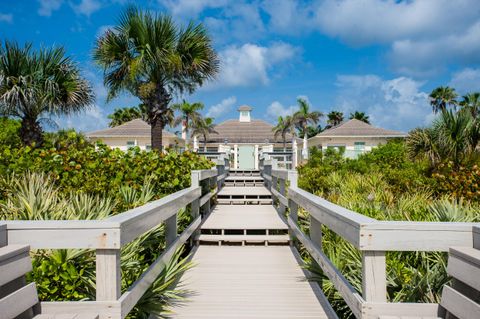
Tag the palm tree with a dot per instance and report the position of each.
(361, 116)
(203, 127)
(151, 57)
(302, 119)
(471, 103)
(123, 115)
(189, 114)
(282, 129)
(454, 136)
(334, 118)
(37, 84)
(442, 97)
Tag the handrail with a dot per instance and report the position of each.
(372, 237)
(108, 236)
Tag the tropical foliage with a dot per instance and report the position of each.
(70, 178)
(361, 116)
(203, 127)
(386, 184)
(151, 57)
(282, 128)
(189, 114)
(442, 97)
(126, 114)
(37, 84)
(334, 118)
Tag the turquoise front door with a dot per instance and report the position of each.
(246, 157)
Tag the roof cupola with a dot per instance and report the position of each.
(245, 111)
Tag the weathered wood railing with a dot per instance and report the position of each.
(372, 237)
(107, 237)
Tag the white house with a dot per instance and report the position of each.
(133, 133)
(354, 136)
(245, 139)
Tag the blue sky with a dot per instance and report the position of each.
(382, 57)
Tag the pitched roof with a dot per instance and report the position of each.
(133, 128)
(234, 131)
(354, 128)
(244, 108)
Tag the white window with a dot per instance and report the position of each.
(148, 147)
(359, 146)
(130, 144)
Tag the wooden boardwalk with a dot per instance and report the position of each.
(248, 281)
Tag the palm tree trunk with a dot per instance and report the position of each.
(284, 144)
(204, 143)
(31, 132)
(157, 135)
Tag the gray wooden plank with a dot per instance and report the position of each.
(459, 305)
(464, 265)
(19, 301)
(14, 262)
(248, 282)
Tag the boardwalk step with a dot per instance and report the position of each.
(245, 238)
(14, 262)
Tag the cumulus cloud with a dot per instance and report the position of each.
(87, 7)
(6, 17)
(249, 64)
(277, 109)
(48, 6)
(222, 108)
(397, 103)
(466, 80)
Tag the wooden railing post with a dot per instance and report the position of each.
(316, 232)
(171, 232)
(220, 171)
(195, 205)
(293, 178)
(108, 275)
(476, 237)
(281, 206)
(374, 276)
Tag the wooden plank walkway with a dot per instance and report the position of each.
(249, 282)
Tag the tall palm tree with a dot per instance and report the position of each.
(471, 103)
(151, 57)
(203, 127)
(38, 84)
(303, 118)
(334, 118)
(189, 113)
(442, 97)
(282, 128)
(361, 116)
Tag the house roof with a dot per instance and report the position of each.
(234, 131)
(356, 128)
(133, 128)
(244, 108)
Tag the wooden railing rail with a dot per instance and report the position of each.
(372, 237)
(108, 236)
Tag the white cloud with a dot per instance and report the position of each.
(277, 109)
(87, 7)
(191, 8)
(249, 64)
(6, 17)
(48, 6)
(222, 108)
(429, 56)
(362, 22)
(466, 80)
(398, 103)
(92, 119)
